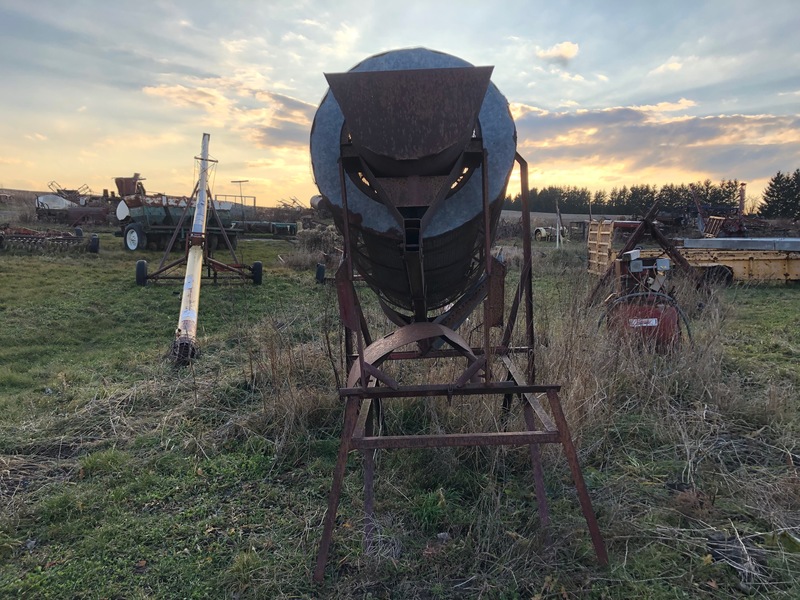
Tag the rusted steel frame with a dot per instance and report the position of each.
(487, 265)
(416, 354)
(527, 283)
(174, 237)
(496, 295)
(346, 295)
(351, 298)
(361, 427)
(373, 374)
(350, 314)
(508, 399)
(512, 314)
(538, 470)
(181, 278)
(348, 259)
(370, 410)
(413, 333)
(471, 371)
(448, 440)
(675, 254)
(222, 229)
(356, 437)
(221, 266)
(361, 319)
(352, 406)
(520, 382)
(448, 389)
(349, 306)
(345, 291)
(577, 477)
(377, 352)
(637, 235)
(350, 356)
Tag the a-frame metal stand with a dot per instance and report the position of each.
(214, 269)
(368, 386)
(647, 225)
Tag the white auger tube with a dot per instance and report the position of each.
(184, 348)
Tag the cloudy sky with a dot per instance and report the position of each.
(605, 93)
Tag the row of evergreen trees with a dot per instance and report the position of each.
(780, 199)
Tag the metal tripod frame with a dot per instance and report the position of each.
(213, 267)
(368, 386)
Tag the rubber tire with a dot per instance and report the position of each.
(537, 235)
(212, 241)
(78, 232)
(718, 275)
(141, 238)
(94, 244)
(141, 272)
(258, 272)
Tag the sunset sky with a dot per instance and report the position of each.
(605, 93)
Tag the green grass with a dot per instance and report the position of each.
(764, 331)
(68, 312)
(124, 477)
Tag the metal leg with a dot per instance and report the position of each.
(350, 417)
(538, 472)
(369, 480)
(577, 477)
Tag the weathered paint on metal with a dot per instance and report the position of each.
(410, 129)
(774, 244)
(744, 265)
(387, 259)
(184, 347)
(652, 322)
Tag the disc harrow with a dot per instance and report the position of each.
(23, 238)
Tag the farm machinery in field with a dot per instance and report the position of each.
(79, 207)
(193, 224)
(151, 220)
(413, 150)
(32, 239)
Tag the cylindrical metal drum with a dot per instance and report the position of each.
(424, 139)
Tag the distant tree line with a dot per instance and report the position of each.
(780, 199)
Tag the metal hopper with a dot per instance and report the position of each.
(410, 129)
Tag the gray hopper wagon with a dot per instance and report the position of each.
(151, 219)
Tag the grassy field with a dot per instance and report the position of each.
(124, 477)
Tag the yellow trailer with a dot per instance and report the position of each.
(741, 265)
(727, 259)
